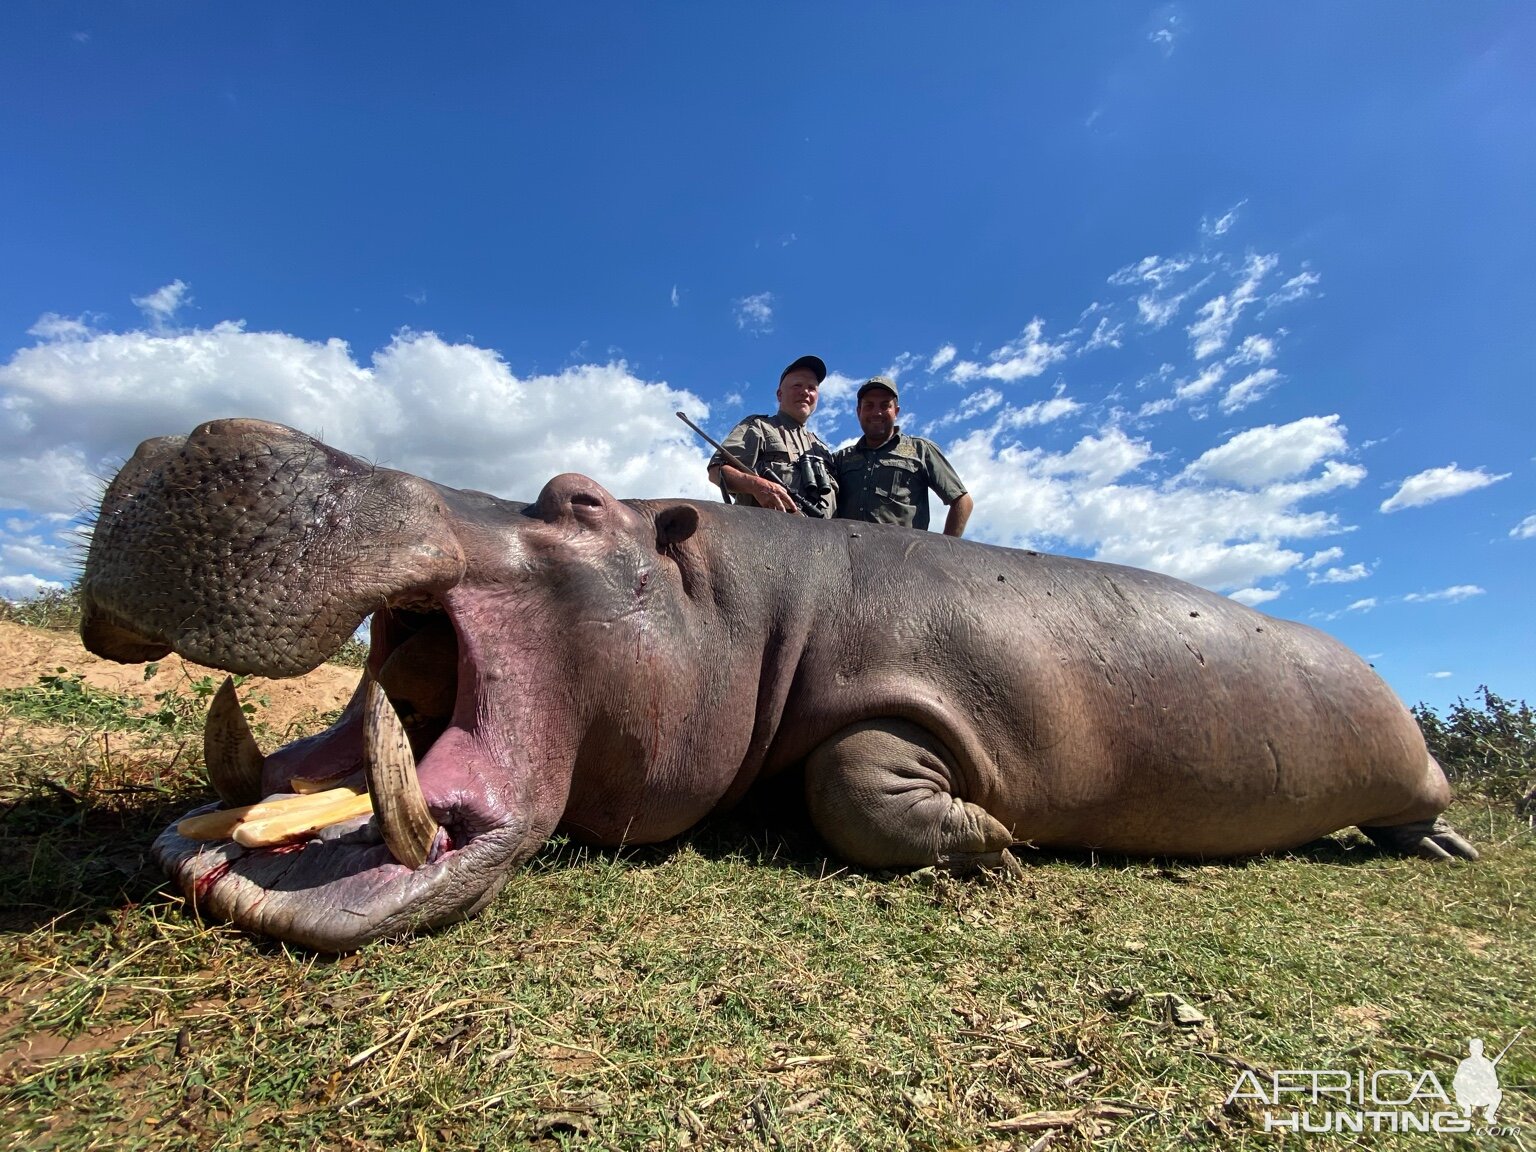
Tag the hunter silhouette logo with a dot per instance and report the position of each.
(1344, 1100)
(1477, 1081)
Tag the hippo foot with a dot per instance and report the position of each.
(1003, 864)
(881, 793)
(1431, 839)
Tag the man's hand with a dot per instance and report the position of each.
(771, 494)
(763, 492)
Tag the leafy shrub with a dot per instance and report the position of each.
(56, 609)
(352, 654)
(1491, 748)
(62, 699)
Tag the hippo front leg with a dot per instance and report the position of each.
(881, 793)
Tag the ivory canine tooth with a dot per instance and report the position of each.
(404, 819)
(229, 750)
(221, 824)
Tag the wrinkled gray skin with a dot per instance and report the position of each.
(622, 669)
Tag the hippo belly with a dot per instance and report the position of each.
(1089, 705)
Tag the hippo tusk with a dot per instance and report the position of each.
(229, 750)
(404, 819)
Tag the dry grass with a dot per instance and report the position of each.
(732, 990)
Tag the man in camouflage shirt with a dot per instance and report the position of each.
(773, 445)
(884, 476)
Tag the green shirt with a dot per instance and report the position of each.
(771, 446)
(889, 484)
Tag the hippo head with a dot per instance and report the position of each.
(520, 654)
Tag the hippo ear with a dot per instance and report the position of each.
(675, 525)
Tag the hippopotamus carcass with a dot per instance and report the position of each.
(621, 669)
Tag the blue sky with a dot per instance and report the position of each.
(1239, 292)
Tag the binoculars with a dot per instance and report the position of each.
(812, 475)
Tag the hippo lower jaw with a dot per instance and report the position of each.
(443, 834)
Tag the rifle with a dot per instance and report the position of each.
(802, 505)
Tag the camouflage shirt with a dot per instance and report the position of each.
(771, 445)
(889, 484)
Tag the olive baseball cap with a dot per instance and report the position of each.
(878, 382)
(812, 364)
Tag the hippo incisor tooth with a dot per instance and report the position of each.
(404, 819)
(229, 749)
(276, 820)
(299, 818)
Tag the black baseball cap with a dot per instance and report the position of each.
(812, 364)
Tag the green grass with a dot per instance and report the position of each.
(735, 989)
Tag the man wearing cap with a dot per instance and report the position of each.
(884, 476)
(773, 445)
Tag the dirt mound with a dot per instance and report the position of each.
(27, 653)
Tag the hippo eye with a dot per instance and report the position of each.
(586, 500)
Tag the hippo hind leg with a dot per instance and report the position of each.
(1433, 839)
(881, 795)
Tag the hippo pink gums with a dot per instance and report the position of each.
(621, 669)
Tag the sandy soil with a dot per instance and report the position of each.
(27, 653)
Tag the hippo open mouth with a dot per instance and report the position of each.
(255, 549)
(384, 822)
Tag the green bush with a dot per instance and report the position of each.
(56, 609)
(1489, 748)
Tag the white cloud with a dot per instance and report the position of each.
(1105, 335)
(1152, 270)
(1254, 349)
(71, 410)
(1318, 559)
(755, 313)
(1249, 390)
(1273, 452)
(978, 402)
(1253, 597)
(1040, 412)
(1201, 384)
(1100, 459)
(1526, 529)
(1220, 314)
(51, 326)
(1441, 675)
(1223, 223)
(1198, 525)
(1364, 605)
(676, 297)
(1156, 408)
(27, 587)
(161, 305)
(1157, 311)
(1296, 288)
(1339, 575)
(1438, 484)
(1453, 594)
(1029, 355)
(837, 397)
(942, 357)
